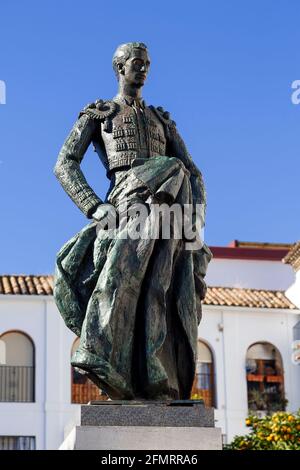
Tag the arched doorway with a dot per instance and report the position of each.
(264, 373)
(83, 390)
(204, 383)
(17, 371)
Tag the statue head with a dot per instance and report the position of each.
(131, 63)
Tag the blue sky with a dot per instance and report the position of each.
(223, 69)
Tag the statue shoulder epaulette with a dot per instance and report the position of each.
(100, 109)
(163, 115)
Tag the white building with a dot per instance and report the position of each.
(249, 323)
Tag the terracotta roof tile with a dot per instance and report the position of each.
(253, 298)
(7, 288)
(22, 284)
(26, 285)
(293, 257)
(222, 296)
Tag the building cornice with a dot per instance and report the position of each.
(293, 257)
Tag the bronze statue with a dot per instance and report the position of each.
(135, 303)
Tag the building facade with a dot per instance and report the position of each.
(249, 326)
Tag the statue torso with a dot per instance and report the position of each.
(130, 132)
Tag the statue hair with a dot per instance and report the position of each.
(123, 52)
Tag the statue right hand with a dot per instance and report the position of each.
(105, 215)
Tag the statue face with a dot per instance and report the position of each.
(136, 68)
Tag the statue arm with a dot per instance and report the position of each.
(178, 149)
(201, 258)
(67, 168)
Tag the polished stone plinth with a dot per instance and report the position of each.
(188, 413)
(132, 425)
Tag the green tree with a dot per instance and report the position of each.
(280, 431)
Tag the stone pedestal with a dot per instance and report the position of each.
(121, 425)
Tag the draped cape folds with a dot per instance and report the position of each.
(135, 303)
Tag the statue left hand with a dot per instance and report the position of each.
(105, 215)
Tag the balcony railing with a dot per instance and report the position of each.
(267, 378)
(86, 392)
(203, 388)
(17, 443)
(16, 383)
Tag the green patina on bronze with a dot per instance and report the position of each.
(134, 303)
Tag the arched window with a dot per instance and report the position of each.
(264, 372)
(17, 372)
(204, 383)
(83, 390)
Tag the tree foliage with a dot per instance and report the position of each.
(281, 431)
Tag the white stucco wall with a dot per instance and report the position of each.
(293, 292)
(52, 411)
(252, 274)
